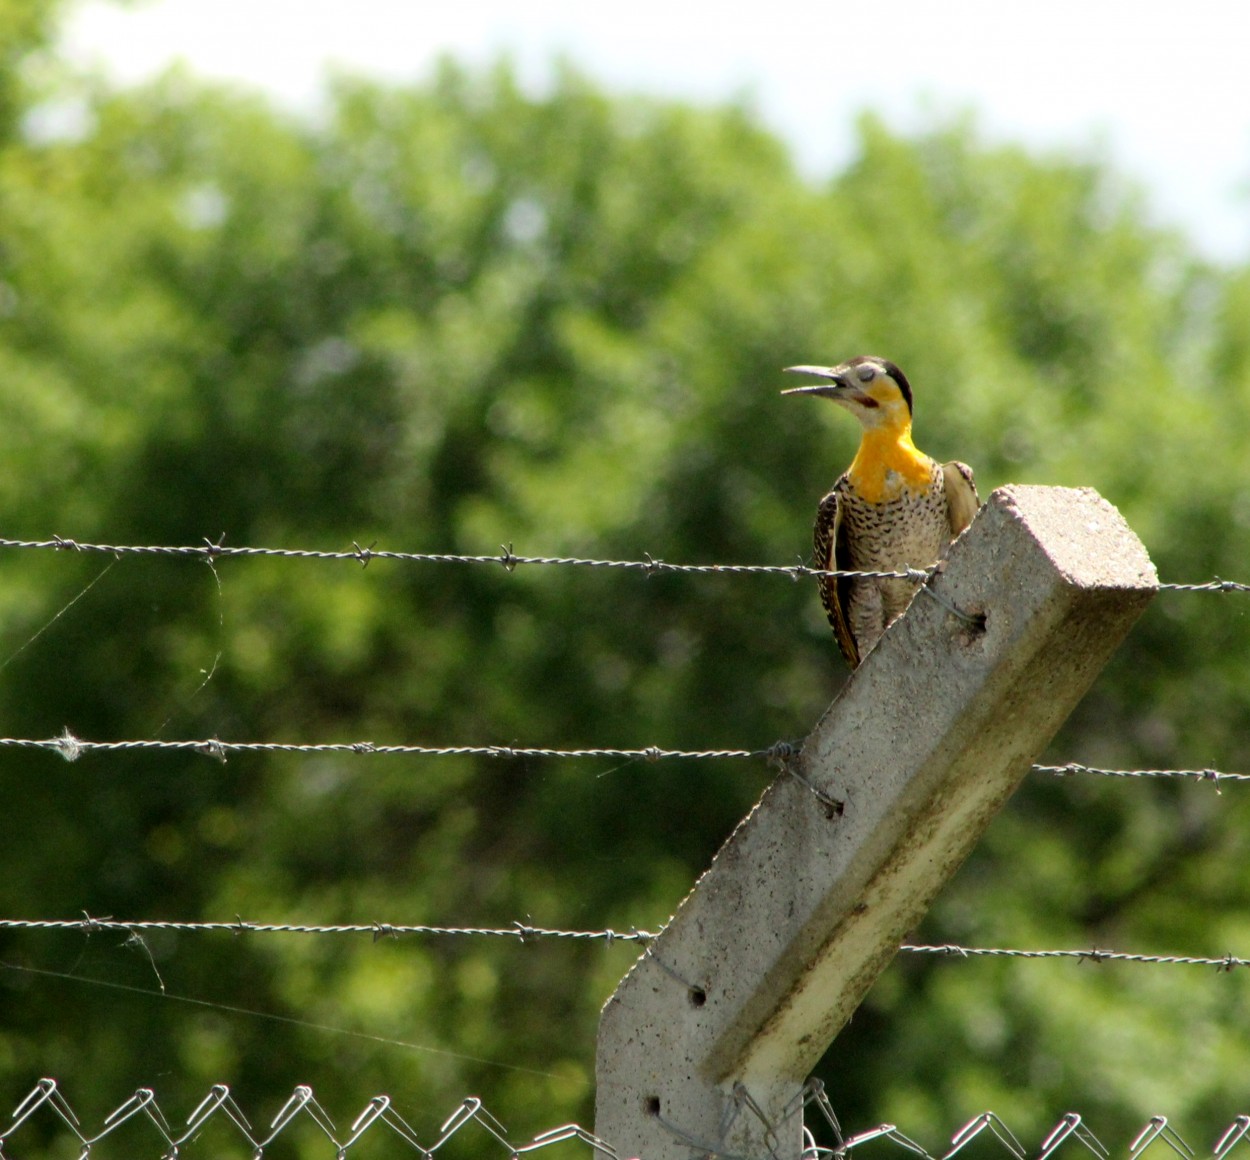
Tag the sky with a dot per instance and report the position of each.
(1161, 88)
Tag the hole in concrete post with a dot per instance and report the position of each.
(698, 996)
(652, 1105)
(973, 626)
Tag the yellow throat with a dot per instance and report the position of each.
(887, 464)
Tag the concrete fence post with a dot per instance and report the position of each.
(705, 1045)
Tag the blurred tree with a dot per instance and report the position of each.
(25, 26)
(455, 316)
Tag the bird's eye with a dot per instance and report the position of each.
(866, 373)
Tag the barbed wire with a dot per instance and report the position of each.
(1093, 955)
(211, 551)
(527, 932)
(71, 748)
(522, 932)
(1073, 767)
(46, 1101)
(1215, 585)
(46, 1097)
(506, 558)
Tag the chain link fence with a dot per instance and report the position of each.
(150, 1133)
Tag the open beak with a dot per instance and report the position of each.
(835, 385)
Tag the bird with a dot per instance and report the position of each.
(893, 509)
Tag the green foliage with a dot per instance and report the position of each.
(454, 316)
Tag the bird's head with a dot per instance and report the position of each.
(873, 389)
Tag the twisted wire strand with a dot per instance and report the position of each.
(1215, 585)
(780, 753)
(524, 932)
(506, 558)
(211, 551)
(71, 748)
(1093, 955)
(1073, 767)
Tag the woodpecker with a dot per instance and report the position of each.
(894, 508)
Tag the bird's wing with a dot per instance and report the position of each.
(962, 501)
(831, 554)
